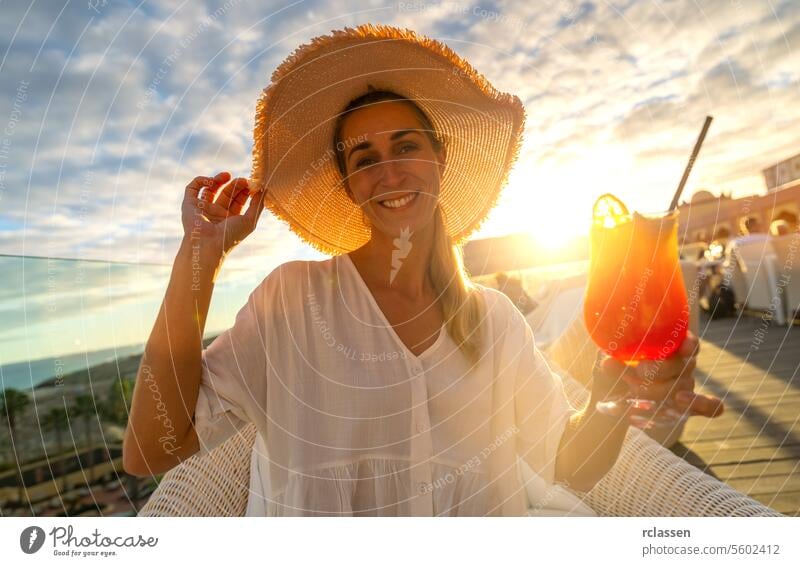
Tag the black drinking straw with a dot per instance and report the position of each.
(689, 165)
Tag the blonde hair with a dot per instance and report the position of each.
(459, 298)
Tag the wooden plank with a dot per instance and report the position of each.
(747, 470)
(782, 359)
(766, 484)
(716, 376)
(777, 425)
(786, 502)
(755, 446)
(748, 390)
(738, 442)
(721, 456)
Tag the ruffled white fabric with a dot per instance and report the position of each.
(351, 422)
(366, 487)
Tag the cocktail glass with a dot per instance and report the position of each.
(635, 304)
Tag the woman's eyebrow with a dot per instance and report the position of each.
(366, 145)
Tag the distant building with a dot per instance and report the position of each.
(782, 173)
(707, 217)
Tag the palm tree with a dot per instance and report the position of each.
(117, 409)
(118, 402)
(86, 408)
(12, 405)
(57, 420)
(132, 489)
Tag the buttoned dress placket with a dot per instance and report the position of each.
(421, 445)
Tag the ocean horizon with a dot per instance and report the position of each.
(27, 375)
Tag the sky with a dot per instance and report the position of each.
(109, 108)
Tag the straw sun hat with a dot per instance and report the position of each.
(294, 157)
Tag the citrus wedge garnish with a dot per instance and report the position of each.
(609, 211)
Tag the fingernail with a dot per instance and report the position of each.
(683, 396)
(642, 404)
(611, 408)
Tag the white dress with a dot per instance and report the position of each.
(351, 422)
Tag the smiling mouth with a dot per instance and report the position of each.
(401, 202)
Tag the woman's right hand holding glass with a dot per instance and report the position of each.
(667, 383)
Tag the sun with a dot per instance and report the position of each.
(552, 220)
(552, 198)
(552, 233)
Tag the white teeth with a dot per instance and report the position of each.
(398, 202)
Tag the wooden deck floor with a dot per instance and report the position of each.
(755, 445)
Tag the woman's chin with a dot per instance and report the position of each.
(401, 227)
(403, 221)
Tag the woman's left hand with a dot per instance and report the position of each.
(658, 380)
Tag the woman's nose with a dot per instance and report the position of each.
(390, 172)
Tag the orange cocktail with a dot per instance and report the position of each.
(635, 306)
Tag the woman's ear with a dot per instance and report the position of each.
(441, 157)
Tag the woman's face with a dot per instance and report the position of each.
(391, 159)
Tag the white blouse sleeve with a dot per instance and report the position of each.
(541, 407)
(233, 384)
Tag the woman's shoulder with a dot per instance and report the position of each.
(294, 276)
(500, 307)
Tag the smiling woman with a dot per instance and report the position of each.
(382, 381)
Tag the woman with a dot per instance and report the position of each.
(382, 381)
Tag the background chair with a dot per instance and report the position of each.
(787, 263)
(756, 288)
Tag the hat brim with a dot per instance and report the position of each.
(293, 153)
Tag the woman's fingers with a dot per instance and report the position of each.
(668, 371)
(700, 405)
(196, 185)
(663, 389)
(690, 346)
(199, 184)
(239, 201)
(663, 370)
(256, 206)
(211, 210)
(208, 192)
(671, 378)
(231, 191)
(668, 368)
(608, 379)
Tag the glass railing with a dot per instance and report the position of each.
(60, 316)
(71, 338)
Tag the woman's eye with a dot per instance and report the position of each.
(403, 149)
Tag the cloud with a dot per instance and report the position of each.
(125, 106)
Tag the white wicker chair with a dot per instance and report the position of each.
(647, 480)
(756, 284)
(788, 272)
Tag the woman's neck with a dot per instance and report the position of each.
(400, 267)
